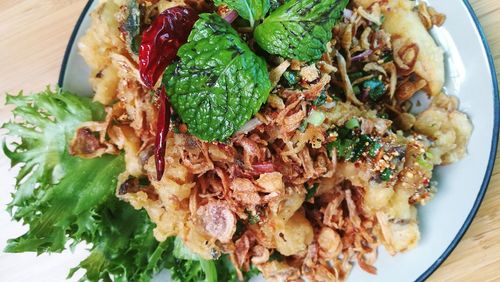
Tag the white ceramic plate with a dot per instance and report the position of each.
(443, 222)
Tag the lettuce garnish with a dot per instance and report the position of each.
(66, 200)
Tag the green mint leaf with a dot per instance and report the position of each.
(275, 4)
(299, 29)
(251, 10)
(219, 83)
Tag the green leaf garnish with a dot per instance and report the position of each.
(386, 174)
(375, 87)
(218, 83)
(321, 100)
(251, 10)
(64, 199)
(311, 191)
(300, 29)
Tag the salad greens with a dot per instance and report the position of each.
(67, 200)
(218, 83)
(299, 29)
(251, 10)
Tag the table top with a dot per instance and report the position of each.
(34, 35)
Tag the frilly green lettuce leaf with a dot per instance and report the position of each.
(67, 200)
(64, 199)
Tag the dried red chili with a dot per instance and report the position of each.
(162, 39)
(162, 127)
(159, 46)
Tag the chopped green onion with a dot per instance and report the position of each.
(352, 123)
(386, 174)
(424, 163)
(316, 118)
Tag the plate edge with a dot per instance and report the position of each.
(69, 47)
(493, 152)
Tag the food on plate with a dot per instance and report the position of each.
(230, 139)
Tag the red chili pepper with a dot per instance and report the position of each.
(159, 46)
(161, 41)
(162, 128)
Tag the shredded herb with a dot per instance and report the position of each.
(276, 256)
(321, 100)
(253, 218)
(291, 78)
(386, 174)
(375, 87)
(374, 148)
(351, 145)
(311, 191)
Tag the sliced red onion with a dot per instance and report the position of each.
(263, 168)
(249, 126)
(230, 16)
(347, 13)
(362, 55)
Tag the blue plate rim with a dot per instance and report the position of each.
(494, 141)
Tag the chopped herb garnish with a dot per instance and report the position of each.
(360, 146)
(356, 90)
(144, 181)
(350, 145)
(356, 75)
(291, 77)
(375, 87)
(383, 115)
(387, 57)
(386, 174)
(276, 256)
(253, 218)
(374, 148)
(321, 100)
(311, 191)
(329, 149)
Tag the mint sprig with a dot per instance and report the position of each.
(219, 83)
